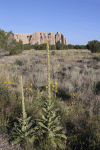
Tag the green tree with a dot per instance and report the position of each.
(94, 46)
(21, 45)
(9, 39)
(12, 45)
(17, 46)
(83, 46)
(52, 47)
(11, 49)
(70, 46)
(2, 39)
(61, 46)
(26, 47)
(76, 47)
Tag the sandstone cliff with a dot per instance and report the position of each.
(41, 38)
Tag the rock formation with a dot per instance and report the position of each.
(41, 38)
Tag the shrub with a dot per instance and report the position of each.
(61, 46)
(94, 46)
(12, 52)
(19, 51)
(52, 47)
(53, 52)
(70, 46)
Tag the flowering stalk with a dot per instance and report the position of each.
(50, 123)
(23, 134)
(48, 71)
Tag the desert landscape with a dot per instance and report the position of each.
(76, 73)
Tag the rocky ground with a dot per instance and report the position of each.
(4, 144)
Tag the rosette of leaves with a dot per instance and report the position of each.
(49, 125)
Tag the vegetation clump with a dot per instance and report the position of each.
(53, 52)
(94, 46)
(8, 43)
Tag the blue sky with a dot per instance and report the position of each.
(77, 20)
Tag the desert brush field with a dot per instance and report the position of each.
(75, 88)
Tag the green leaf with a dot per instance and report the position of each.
(61, 144)
(44, 110)
(51, 134)
(53, 142)
(52, 117)
(18, 140)
(43, 117)
(57, 128)
(61, 135)
(41, 124)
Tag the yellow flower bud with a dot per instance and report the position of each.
(55, 83)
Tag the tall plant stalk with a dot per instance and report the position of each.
(48, 70)
(50, 124)
(23, 135)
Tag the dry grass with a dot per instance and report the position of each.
(75, 74)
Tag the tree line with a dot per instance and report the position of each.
(8, 43)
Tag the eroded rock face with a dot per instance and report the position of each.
(41, 38)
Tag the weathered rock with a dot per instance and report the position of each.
(23, 37)
(51, 38)
(60, 38)
(41, 37)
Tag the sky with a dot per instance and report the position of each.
(77, 20)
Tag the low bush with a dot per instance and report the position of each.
(53, 52)
(12, 52)
(19, 51)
